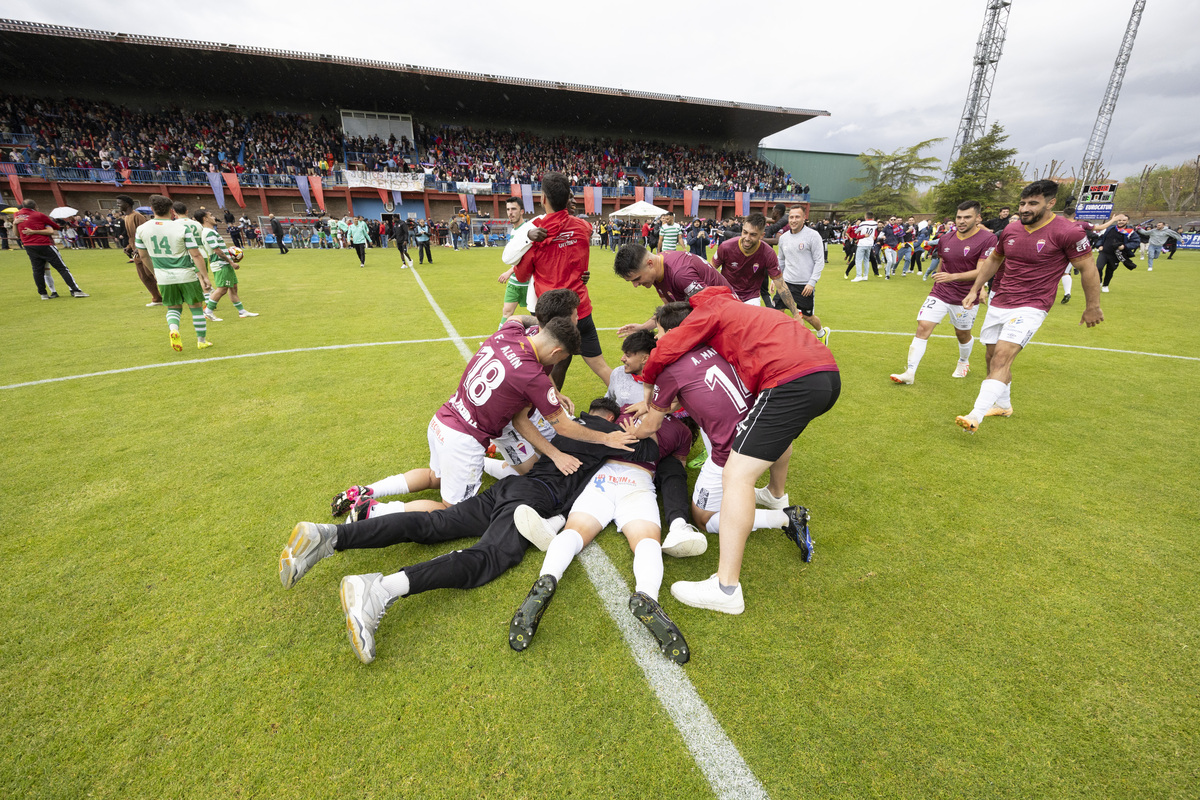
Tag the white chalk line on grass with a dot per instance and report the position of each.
(727, 772)
(467, 353)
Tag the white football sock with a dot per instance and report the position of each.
(916, 351)
(648, 568)
(766, 518)
(383, 509)
(989, 392)
(555, 524)
(1005, 400)
(497, 468)
(560, 552)
(964, 350)
(714, 523)
(396, 484)
(396, 584)
(1066, 283)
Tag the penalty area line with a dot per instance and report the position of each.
(723, 766)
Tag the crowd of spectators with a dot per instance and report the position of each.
(464, 154)
(106, 136)
(101, 135)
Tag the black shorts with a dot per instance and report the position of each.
(589, 340)
(781, 414)
(806, 304)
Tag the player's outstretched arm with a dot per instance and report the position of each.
(523, 425)
(617, 440)
(633, 327)
(1089, 276)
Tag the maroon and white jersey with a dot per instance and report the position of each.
(744, 273)
(684, 274)
(1034, 261)
(501, 378)
(674, 439)
(712, 393)
(958, 256)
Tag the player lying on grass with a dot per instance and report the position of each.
(621, 491)
(501, 380)
(794, 379)
(709, 388)
(960, 253)
(488, 516)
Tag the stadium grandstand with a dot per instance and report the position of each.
(296, 133)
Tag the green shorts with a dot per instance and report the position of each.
(224, 276)
(516, 292)
(181, 294)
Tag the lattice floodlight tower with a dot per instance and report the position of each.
(979, 93)
(1091, 157)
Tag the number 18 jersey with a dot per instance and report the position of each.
(710, 390)
(501, 378)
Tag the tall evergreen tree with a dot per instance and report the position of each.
(984, 171)
(891, 179)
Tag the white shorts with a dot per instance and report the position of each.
(757, 301)
(514, 448)
(707, 494)
(1016, 325)
(934, 310)
(622, 492)
(457, 460)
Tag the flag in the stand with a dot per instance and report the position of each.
(471, 203)
(382, 195)
(235, 187)
(598, 202)
(527, 197)
(589, 201)
(747, 197)
(462, 200)
(639, 193)
(214, 180)
(397, 197)
(650, 195)
(305, 192)
(14, 183)
(314, 183)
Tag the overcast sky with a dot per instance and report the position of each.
(890, 73)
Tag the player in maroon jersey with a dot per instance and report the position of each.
(622, 491)
(744, 260)
(794, 379)
(1034, 253)
(504, 378)
(960, 253)
(674, 275)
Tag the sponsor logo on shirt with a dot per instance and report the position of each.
(693, 287)
(1081, 245)
(1011, 242)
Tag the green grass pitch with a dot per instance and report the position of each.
(1010, 614)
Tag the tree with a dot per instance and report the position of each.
(892, 178)
(984, 171)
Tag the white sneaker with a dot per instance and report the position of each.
(856, 280)
(364, 601)
(208, 315)
(707, 594)
(309, 543)
(905, 377)
(1104, 289)
(244, 313)
(961, 370)
(764, 498)
(152, 304)
(531, 525)
(1149, 269)
(684, 542)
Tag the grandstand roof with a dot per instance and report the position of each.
(92, 61)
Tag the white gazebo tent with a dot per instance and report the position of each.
(641, 210)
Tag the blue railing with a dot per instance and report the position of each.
(16, 139)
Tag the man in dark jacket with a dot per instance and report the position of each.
(277, 232)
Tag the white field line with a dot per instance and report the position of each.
(463, 349)
(717, 757)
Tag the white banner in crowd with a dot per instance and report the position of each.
(392, 181)
(473, 187)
